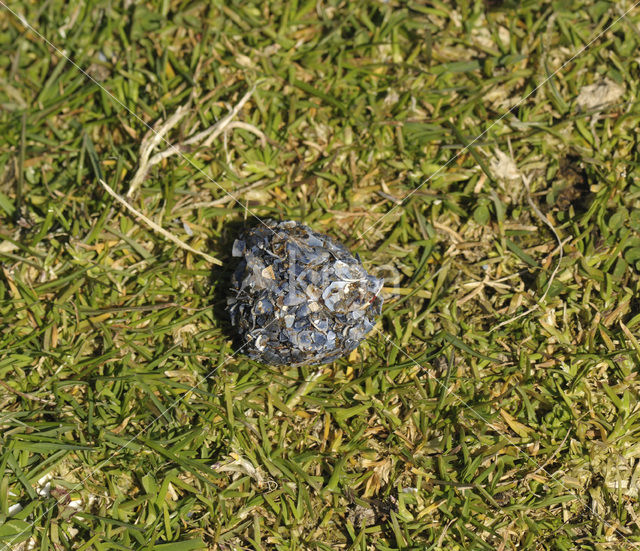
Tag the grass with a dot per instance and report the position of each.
(461, 423)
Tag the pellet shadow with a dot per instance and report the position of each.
(220, 278)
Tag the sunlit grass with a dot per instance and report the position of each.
(461, 423)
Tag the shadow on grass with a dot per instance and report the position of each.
(220, 279)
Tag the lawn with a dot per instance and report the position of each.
(482, 155)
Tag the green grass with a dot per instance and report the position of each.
(450, 428)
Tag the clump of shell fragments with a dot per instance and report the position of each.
(298, 297)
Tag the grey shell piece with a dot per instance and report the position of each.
(298, 297)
